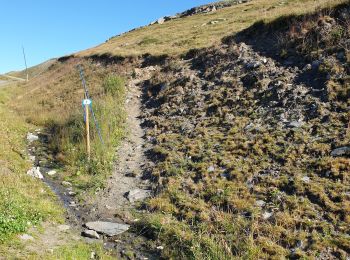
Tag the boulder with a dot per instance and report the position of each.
(267, 215)
(35, 172)
(66, 184)
(260, 203)
(307, 67)
(306, 179)
(253, 65)
(32, 137)
(170, 17)
(51, 173)
(341, 151)
(107, 228)
(160, 20)
(72, 193)
(211, 168)
(137, 194)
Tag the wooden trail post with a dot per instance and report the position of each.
(86, 104)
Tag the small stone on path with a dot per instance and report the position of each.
(63, 227)
(26, 237)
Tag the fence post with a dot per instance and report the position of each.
(87, 126)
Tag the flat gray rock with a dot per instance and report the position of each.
(107, 228)
(138, 194)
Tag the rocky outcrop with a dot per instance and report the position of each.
(209, 8)
(193, 11)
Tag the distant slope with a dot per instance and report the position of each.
(6, 80)
(202, 30)
(33, 71)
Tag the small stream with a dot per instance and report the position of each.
(49, 171)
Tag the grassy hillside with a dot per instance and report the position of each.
(203, 30)
(250, 149)
(23, 201)
(241, 137)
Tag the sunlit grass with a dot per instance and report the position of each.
(180, 35)
(24, 201)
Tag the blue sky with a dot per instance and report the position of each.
(53, 28)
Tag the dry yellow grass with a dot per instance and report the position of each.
(178, 36)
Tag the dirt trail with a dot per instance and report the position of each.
(3, 83)
(112, 200)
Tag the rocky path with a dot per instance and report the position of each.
(125, 185)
